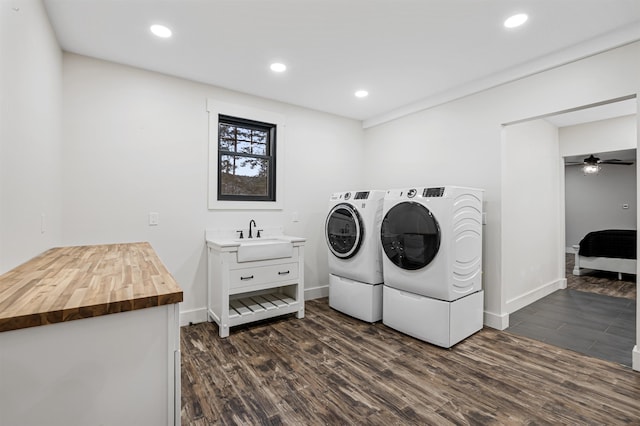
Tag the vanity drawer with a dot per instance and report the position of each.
(247, 277)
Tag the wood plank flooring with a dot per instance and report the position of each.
(601, 282)
(329, 368)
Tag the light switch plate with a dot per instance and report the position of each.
(154, 219)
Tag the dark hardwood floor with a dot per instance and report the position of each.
(329, 368)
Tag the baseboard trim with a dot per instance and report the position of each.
(497, 321)
(535, 294)
(562, 284)
(193, 316)
(493, 320)
(316, 292)
(635, 358)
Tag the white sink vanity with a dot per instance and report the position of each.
(251, 279)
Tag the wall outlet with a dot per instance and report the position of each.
(154, 219)
(295, 217)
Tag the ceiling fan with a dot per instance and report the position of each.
(591, 164)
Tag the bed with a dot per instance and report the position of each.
(612, 250)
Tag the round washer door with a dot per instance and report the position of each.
(410, 235)
(344, 231)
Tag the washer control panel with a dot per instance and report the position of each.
(360, 195)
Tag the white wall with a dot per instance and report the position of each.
(137, 142)
(594, 202)
(30, 114)
(444, 146)
(614, 134)
(460, 143)
(531, 213)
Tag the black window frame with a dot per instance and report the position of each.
(271, 146)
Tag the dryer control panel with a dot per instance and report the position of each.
(361, 195)
(433, 192)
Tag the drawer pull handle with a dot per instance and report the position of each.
(246, 278)
(283, 273)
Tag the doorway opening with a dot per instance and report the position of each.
(600, 215)
(589, 312)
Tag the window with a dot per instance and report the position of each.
(245, 148)
(246, 159)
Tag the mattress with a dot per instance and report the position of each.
(615, 243)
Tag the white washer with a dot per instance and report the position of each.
(352, 232)
(432, 261)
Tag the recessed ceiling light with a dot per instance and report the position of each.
(160, 31)
(516, 20)
(361, 94)
(278, 67)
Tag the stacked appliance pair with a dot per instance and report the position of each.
(428, 283)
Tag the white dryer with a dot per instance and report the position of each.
(352, 232)
(432, 261)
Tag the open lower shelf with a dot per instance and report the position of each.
(251, 305)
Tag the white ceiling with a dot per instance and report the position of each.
(404, 52)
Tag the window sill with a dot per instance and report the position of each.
(245, 205)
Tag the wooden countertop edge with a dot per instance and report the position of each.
(85, 282)
(88, 311)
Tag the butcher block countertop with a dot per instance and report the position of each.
(69, 283)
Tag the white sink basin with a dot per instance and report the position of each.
(251, 250)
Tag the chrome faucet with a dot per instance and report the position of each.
(254, 224)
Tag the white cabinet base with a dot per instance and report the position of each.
(244, 292)
(118, 369)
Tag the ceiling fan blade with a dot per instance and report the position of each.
(574, 164)
(618, 162)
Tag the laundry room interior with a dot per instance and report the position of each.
(116, 140)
